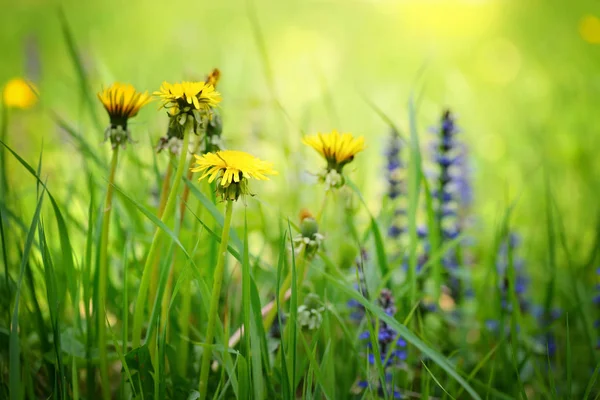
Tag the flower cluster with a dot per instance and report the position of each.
(451, 192)
(212, 126)
(357, 312)
(338, 149)
(232, 169)
(391, 347)
(509, 249)
(545, 319)
(395, 184)
(121, 102)
(189, 102)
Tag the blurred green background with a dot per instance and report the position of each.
(522, 77)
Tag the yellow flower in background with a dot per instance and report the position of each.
(338, 149)
(121, 102)
(232, 169)
(589, 29)
(188, 96)
(19, 93)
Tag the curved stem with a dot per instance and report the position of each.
(214, 302)
(140, 302)
(103, 277)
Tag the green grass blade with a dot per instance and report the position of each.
(414, 181)
(376, 232)
(437, 382)
(286, 389)
(14, 342)
(592, 382)
(569, 360)
(75, 55)
(292, 323)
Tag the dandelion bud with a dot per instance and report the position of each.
(309, 238)
(309, 227)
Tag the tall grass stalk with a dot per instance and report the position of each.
(214, 302)
(152, 252)
(103, 277)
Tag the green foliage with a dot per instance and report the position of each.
(531, 134)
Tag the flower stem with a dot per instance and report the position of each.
(103, 277)
(164, 193)
(168, 289)
(214, 302)
(301, 271)
(140, 302)
(323, 206)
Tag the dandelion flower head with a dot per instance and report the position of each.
(232, 169)
(121, 102)
(188, 96)
(338, 149)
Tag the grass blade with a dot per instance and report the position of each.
(14, 342)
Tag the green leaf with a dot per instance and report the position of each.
(141, 371)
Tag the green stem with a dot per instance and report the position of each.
(301, 268)
(214, 302)
(186, 308)
(140, 302)
(103, 277)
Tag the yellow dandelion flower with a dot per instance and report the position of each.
(188, 96)
(19, 93)
(338, 149)
(232, 169)
(121, 102)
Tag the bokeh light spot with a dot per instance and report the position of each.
(492, 147)
(499, 61)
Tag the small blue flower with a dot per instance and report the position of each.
(492, 325)
(371, 358)
(401, 354)
(395, 231)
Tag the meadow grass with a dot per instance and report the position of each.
(463, 320)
